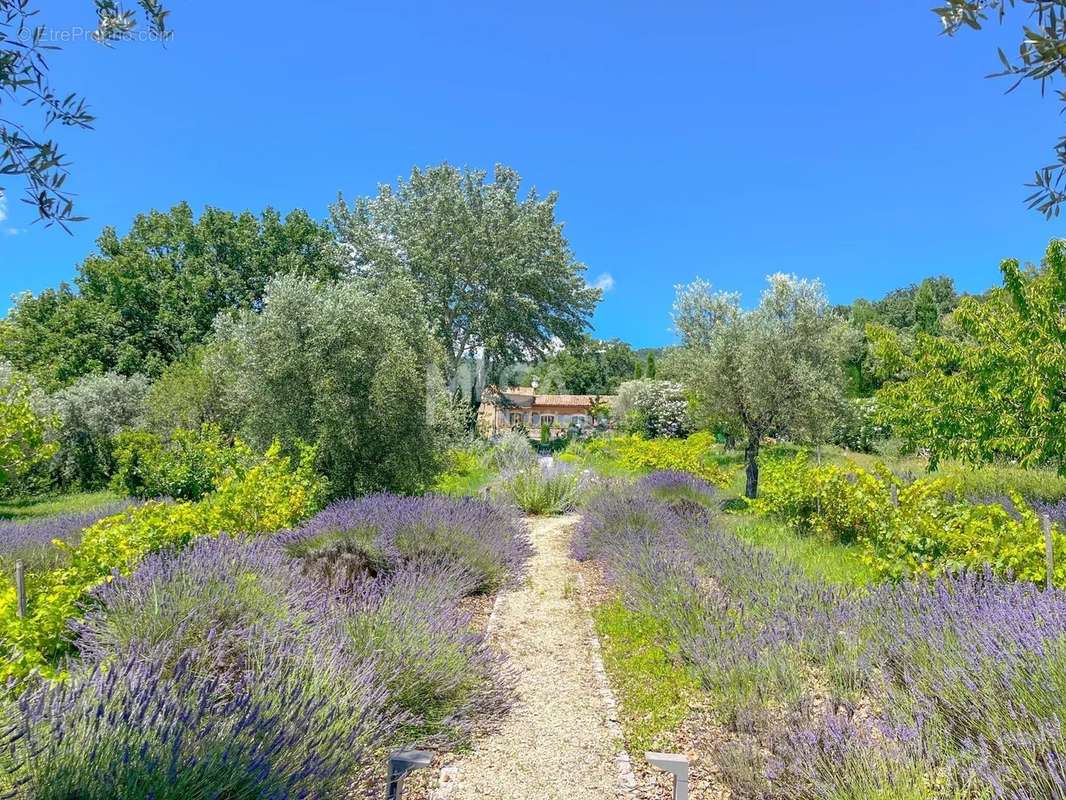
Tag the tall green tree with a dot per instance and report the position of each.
(587, 366)
(994, 384)
(1041, 58)
(916, 308)
(496, 274)
(926, 310)
(349, 366)
(772, 370)
(144, 299)
(29, 103)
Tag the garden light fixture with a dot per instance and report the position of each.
(400, 763)
(676, 765)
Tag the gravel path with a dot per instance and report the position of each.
(559, 741)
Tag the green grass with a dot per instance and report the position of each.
(654, 687)
(836, 563)
(465, 484)
(50, 505)
(603, 465)
(984, 480)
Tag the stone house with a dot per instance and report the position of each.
(522, 408)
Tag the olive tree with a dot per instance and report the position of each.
(25, 84)
(90, 413)
(350, 366)
(1041, 58)
(775, 369)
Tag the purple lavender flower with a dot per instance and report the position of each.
(136, 728)
(681, 490)
(378, 533)
(962, 677)
(31, 541)
(216, 607)
(1056, 510)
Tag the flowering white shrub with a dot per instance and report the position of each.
(653, 408)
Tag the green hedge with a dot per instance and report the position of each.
(269, 495)
(923, 527)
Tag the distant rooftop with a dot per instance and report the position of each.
(525, 396)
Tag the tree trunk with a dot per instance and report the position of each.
(730, 441)
(751, 455)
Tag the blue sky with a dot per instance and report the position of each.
(840, 139)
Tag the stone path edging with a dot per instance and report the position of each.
(563, 740)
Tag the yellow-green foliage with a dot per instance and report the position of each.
(655, 687)
(928, 528)
(636, 453)
(463, 473)
(845, 503)
(267, 496)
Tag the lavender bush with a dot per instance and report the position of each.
(681, 490)
(204, 603)
(31, 541)
(217, 606)
(616, 514)
(1057, 511)
(952, 688)
(513, 452)
(440, 672)
(230, 670)
(134, 729)
(379, 533)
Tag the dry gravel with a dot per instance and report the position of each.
(559, 741)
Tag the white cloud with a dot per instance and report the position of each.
(3, 206)
(604, 282)
(13, 231)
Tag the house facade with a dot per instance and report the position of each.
(522, 408)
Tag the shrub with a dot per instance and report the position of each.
(652, 408)
(543, 489)
(186, 467)
(921, 688)
(856, 427)
(23, 431)
(843, 503)
(309, 725)
(380, 533)
(464, 471)
(1055, 511)
(268, 496)
(928, 529)
(33, 541)
(933, 533)
(91, 412)
(214, 609)
(439, 675)
(200, 605)
(682, 491)
(611, 519)
(690, 455)
(193, 391)
(1040, 485)
(513, 452)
